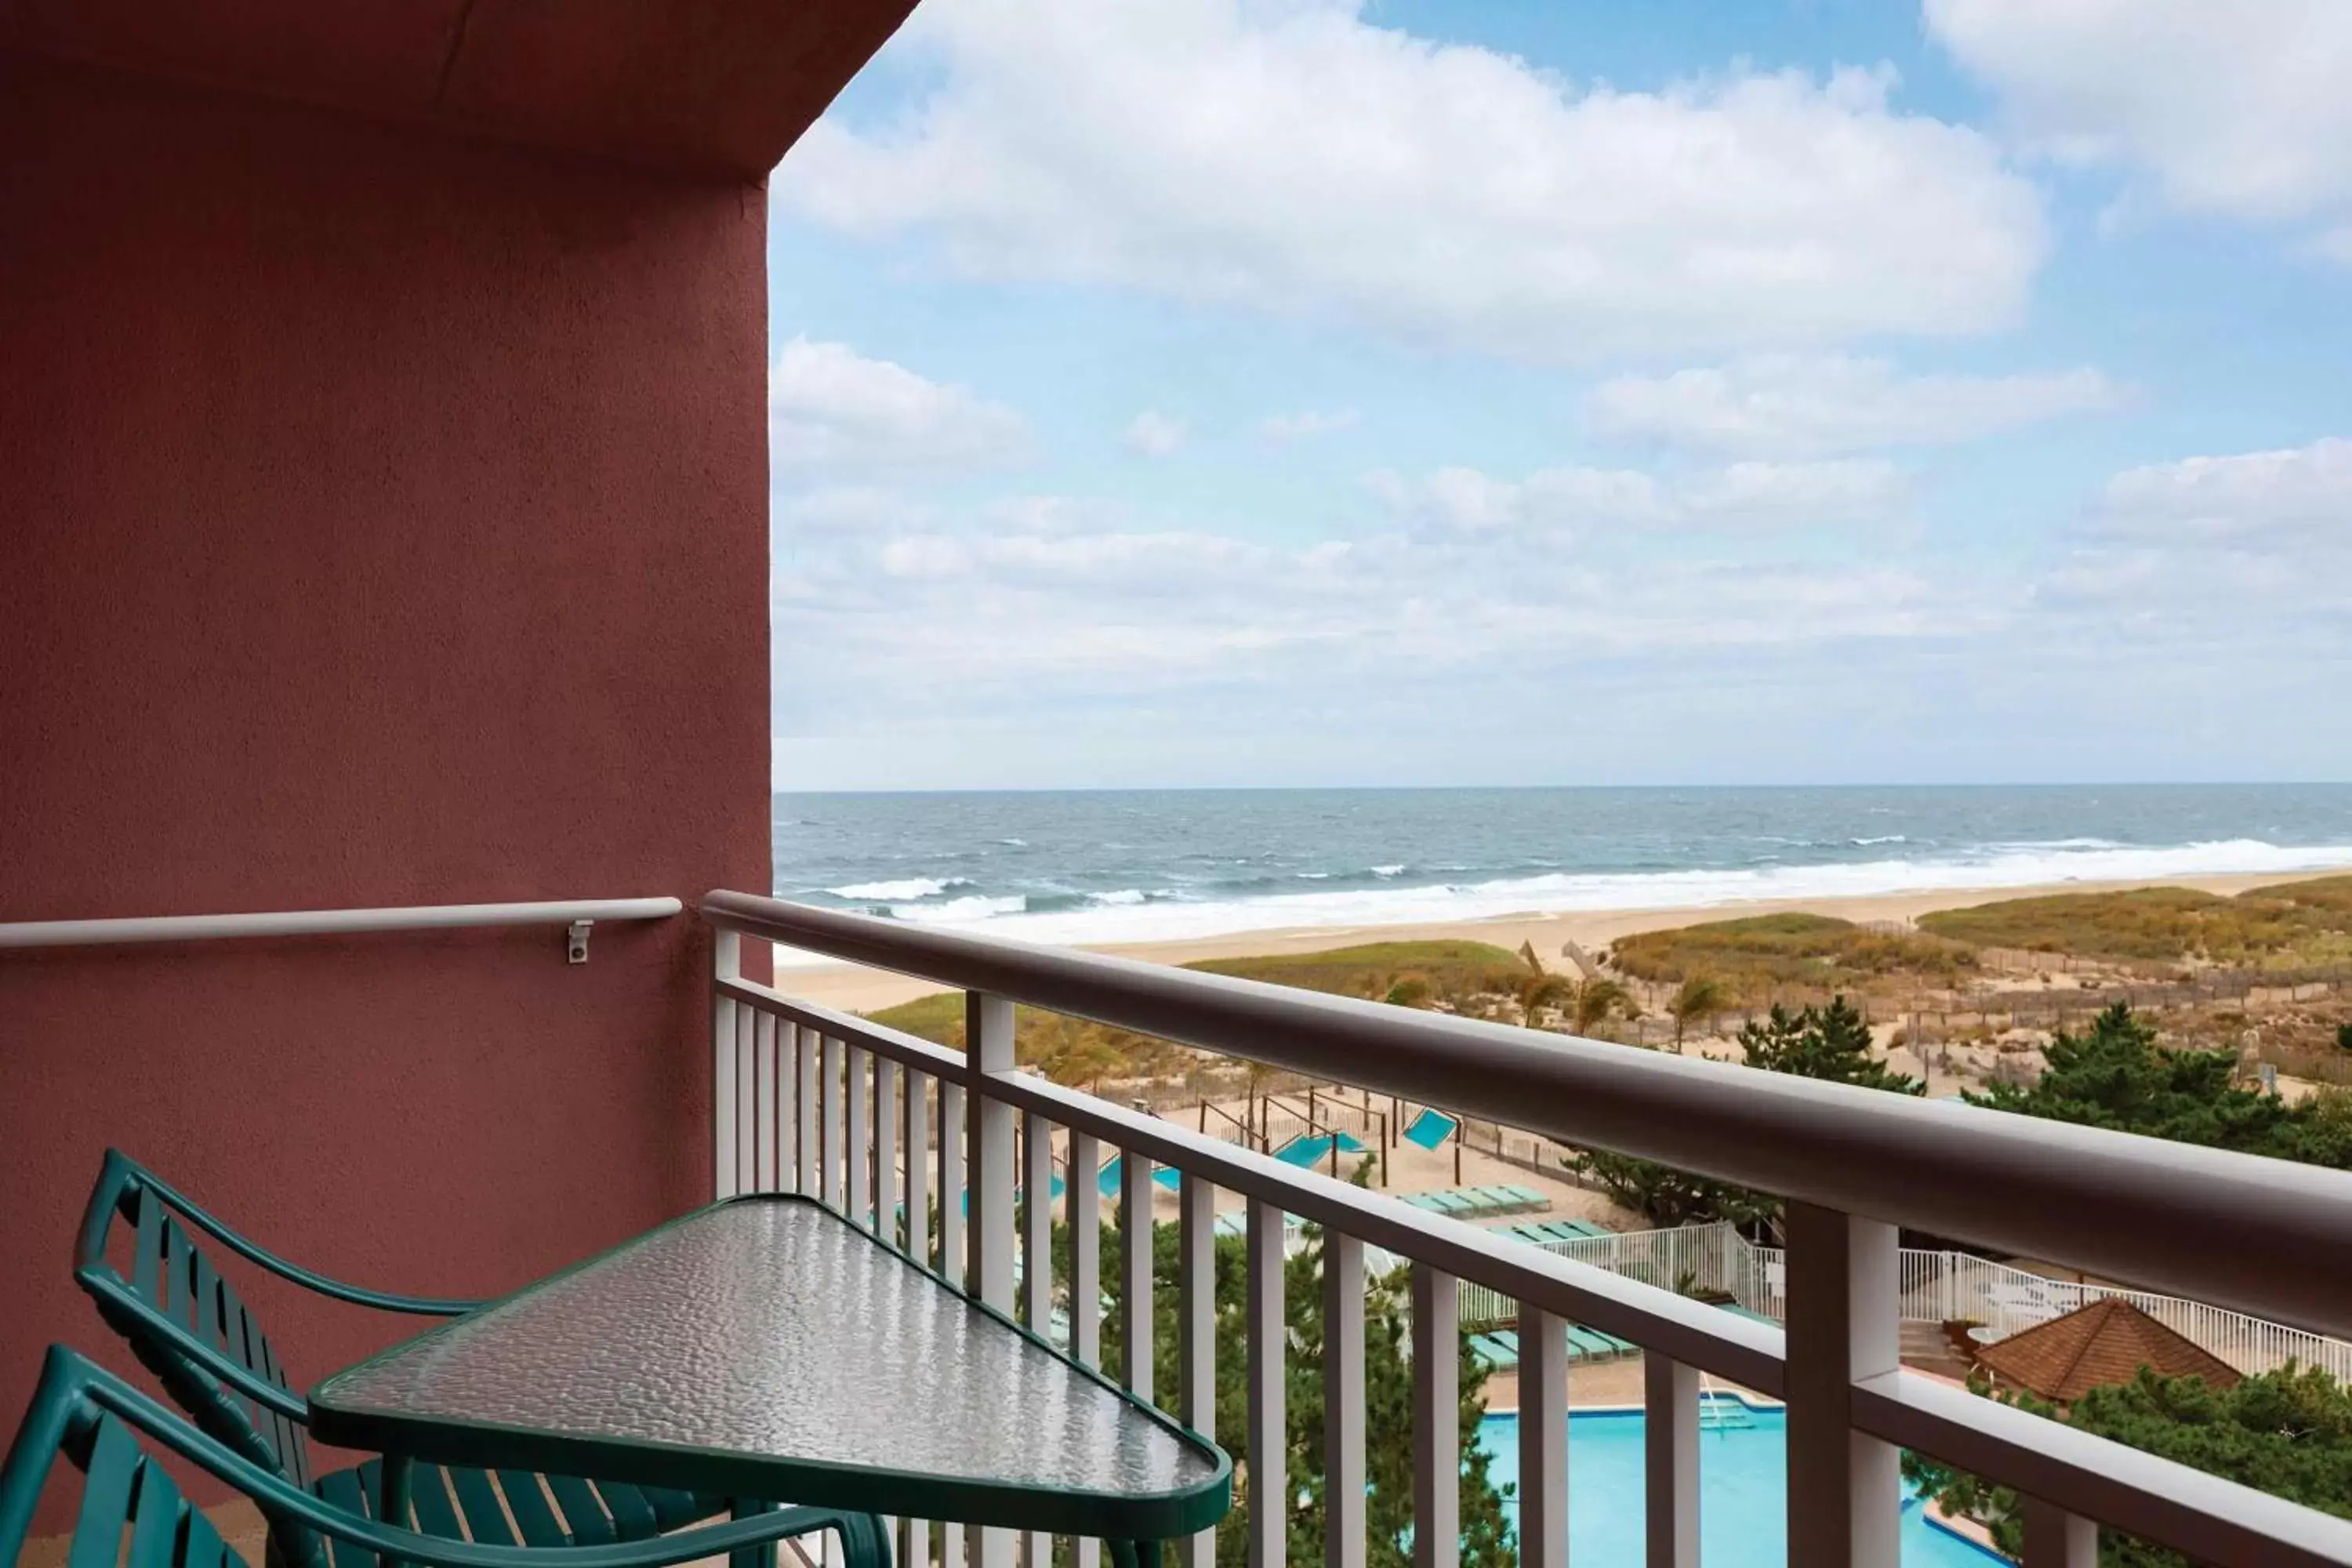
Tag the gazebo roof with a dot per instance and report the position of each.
(2106, 1342)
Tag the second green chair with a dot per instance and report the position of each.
(191, 1329)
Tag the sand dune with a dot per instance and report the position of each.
(864, 990)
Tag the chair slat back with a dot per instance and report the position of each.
(126, 1489)
(181, 1295)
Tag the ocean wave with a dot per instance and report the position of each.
(967, 911)
(1116, 918)
(1882, 838)
(1388, 870)
(900, 889)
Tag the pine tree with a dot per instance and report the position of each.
(1831, 1044)
(2287, 1432)
(2116, 1076)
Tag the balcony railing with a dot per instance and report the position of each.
(881, 1125)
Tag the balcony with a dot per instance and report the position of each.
(935, 1151)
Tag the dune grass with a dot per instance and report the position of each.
(1069, 1050)
(1753, 955)
(1451, 969)
(2287, 924)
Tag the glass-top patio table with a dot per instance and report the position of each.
(767, 1348)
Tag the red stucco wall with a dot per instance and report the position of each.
(382, 521)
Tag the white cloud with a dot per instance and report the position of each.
(1287, 155)
(1154, 434)
(866, 507)
(1746, 495)
(1791, 405)
(833, 410)
(2299, 497)
(1117, 613)
(2213, 554)
(2239, 107)
(1305, 425)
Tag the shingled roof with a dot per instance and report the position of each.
(2107, 1341)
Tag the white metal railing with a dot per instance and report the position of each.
(902, 1135)
(1933, 1287)
(578, 914)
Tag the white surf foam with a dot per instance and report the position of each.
(1112, 918)
(900, 891)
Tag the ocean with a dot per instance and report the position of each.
(1143, 866)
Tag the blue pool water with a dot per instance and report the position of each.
(1742, 1518)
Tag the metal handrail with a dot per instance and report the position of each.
(328, 922)
(2263, 1236)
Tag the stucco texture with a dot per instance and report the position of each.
(382, 521)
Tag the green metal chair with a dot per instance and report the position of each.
(189, 1327)
(132, 1514)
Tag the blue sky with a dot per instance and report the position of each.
(1306, 392)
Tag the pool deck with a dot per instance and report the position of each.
(1601, 1386)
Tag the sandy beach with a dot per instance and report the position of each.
(865, 990)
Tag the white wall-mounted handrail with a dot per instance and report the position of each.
(328, 922)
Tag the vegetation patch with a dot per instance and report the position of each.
(1752, 956)
(1073, 1051)
(2289, 924)
(1451, 969)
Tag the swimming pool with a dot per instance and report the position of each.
(1742, 1518)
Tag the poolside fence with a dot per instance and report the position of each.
(1936, 1287)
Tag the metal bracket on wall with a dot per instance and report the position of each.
(576, 948)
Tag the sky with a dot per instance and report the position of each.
(1210, 393)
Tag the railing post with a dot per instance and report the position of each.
(1670, 1441)
(918, 1112)
(885, 1149)
(1135, 1250)
(1197, 1322)
(805, 1111)
(860, 1200)
(1038, 1221)
(1436, 1418)
(766, 1095)
(1269, 1339)
(1543, 1439)
(951, 1197)
(1084, 1194)
(988, 1049)
(747, 1093)
(2056, 1539)
(1845, 1490)
(726, 963)
(833, 1171)
(1343, 1401)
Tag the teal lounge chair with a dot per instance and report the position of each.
(1106, 1180)
(132, 1512)
(1500, 1351)
(1304, 1152)
(1430, 1128)
(191, 1329)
